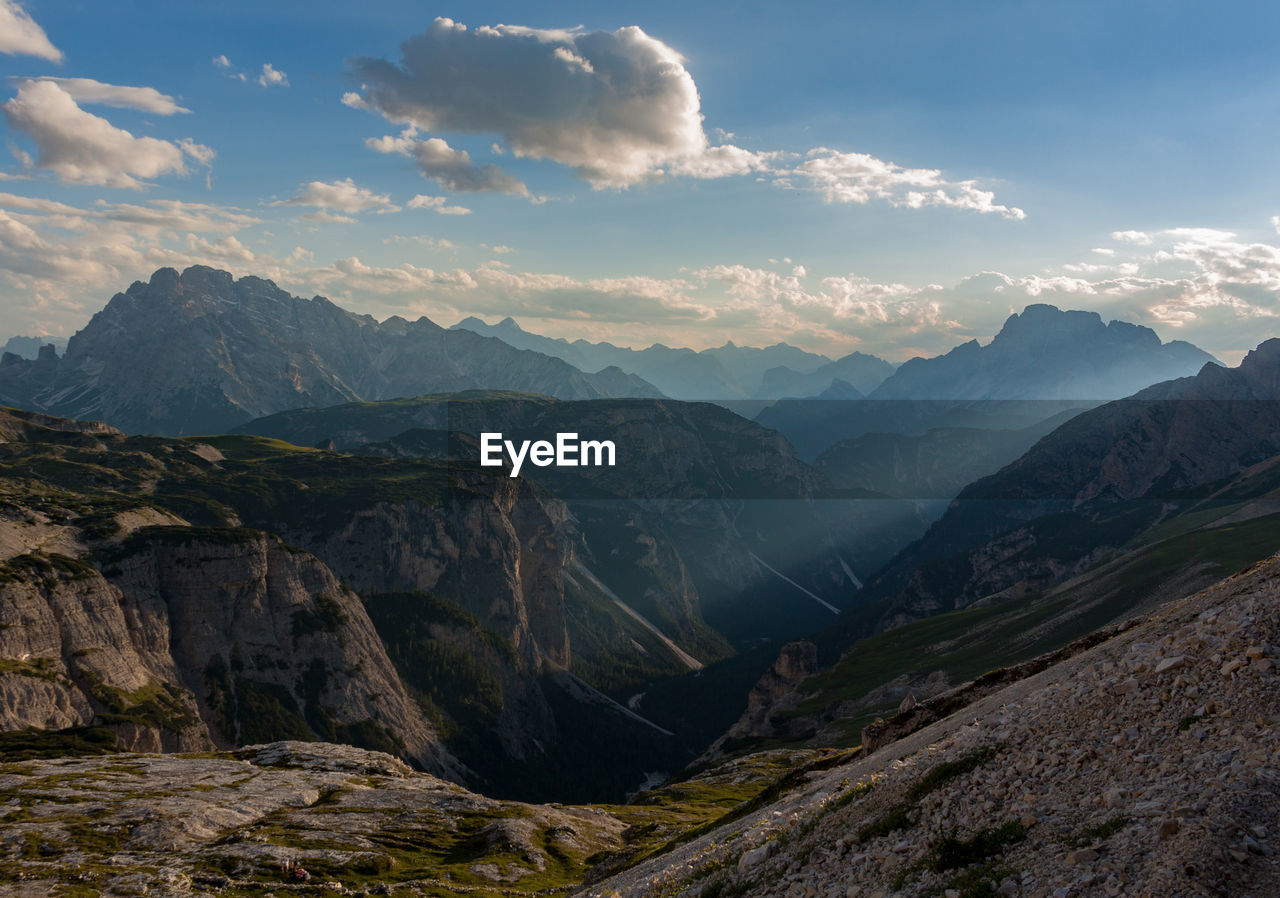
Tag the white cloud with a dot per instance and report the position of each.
(452, 168)
(58, 262)
(344, 196)
(82, 148)
(221, 62)
(326, 217)
(615, 107)
(1275, 223)
(89, 91)
(21, 36)
(1140, 238)
(436, 204)
(859, 178)
(271, 77)
(619, 108)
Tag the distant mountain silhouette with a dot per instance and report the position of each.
(723, 372)
(201, 352)
(1046, 353)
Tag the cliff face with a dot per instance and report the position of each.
(497, 551)
(425, 605)
(189, 639)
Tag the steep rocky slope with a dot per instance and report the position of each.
(199, 352)
(1147, 765)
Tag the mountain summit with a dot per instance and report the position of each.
(202, 352)
(1048, 353)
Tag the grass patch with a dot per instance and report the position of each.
(900, 816)
(1097, 833)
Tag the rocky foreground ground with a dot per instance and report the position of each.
(1148, 765)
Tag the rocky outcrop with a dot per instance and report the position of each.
(200, 352)
(772, 693)
(283, 818)
(193, 638)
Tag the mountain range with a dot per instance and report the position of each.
(720, 373)
(200, 352)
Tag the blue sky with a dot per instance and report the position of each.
(891, 177)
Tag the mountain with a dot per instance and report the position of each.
(200, 352)
(697, 494)
(1042, 363)
(937, 464)
(1117, 509)
(858, 371)
(29, 347)
(678, 373)
(1046, 353)
(726, 372)
(748, 364)
(1091, 486)
(1141, 758)
(186, 595)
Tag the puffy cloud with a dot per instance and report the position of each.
(271, 77)
(859, 178)
(21, 36)
(438, 204)
(615, 107)
(146, 99)
(221, 61)
(82, 148)
(619, 108)
(452, 168)
(344, 196)
(62, 259)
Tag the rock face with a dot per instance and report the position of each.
(193, 639)
(1046, 353)
(1146, 765)
(774, 692)
(376, 601)
(199, 352)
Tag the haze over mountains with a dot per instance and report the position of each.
(722, 372)
(200, 352)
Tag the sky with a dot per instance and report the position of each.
(893, 178)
